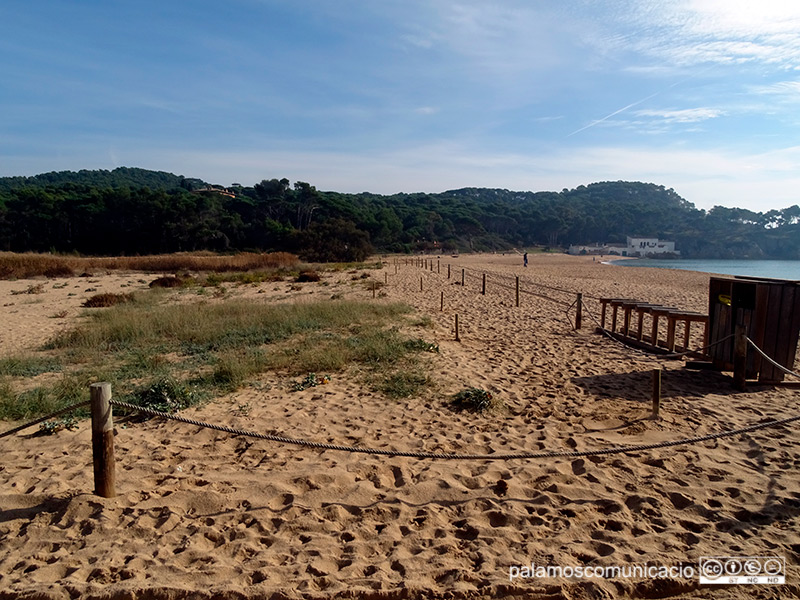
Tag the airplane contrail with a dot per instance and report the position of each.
(624, 108)
(616, 112)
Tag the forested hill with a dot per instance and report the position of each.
(136, 211)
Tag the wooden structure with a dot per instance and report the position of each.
(628, 308)
(768, 309)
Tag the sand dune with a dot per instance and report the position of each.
(203, 514)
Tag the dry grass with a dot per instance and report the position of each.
(107, 299)
(22, 266)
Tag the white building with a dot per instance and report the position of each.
(638, 246)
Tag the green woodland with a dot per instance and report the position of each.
(131, 211)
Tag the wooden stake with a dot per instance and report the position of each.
(462, 277)
(438, 266)
(458, 339)
(441, 304)
(740, 358)
(386, 278)
(102, 440)
(656, 378)
(420, 284)
(517, 291)
(448, 270)
(373, 288)
(579, 311)
(483, 288)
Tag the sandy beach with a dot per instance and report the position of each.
(205, 514)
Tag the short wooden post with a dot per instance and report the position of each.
(740, 358)
(438, 267)
(578, 311)
(102, 440)
(517, 291)
(458, 339)
(441, 304)
(462, 277)
(420, 284)
(656, 378)
(448, 270)
(483, 288)
(395, 269)
(386, 278)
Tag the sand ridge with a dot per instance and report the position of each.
(205, 514)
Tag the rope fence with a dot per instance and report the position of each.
(102, 402)
(53, 415)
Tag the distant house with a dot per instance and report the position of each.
(216, 189)
(640, 246)
(598, 249)
(636, 246)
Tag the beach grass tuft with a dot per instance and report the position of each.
(214, 348)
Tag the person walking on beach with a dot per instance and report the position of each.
(525, 259)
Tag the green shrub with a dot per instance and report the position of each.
(474, 399)
(165, 395)
(102, 300)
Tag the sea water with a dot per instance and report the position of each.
(777, 269)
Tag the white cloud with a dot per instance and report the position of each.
(691, 32)
(688, 115)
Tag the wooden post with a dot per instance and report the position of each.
(438, 266)
(395, 269)
(483, 288)
(458, 339)
(656, 377)
(420, 284)
(102, 440)
(740, 358)
(517, 291)
(462, 277)
(386, 278)
(448, 270)
(578, 311)
(441, 304)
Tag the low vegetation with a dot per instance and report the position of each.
(170, 356)
(108, 299)
(28, 264)
(476, 400)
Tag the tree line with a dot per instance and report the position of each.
(136, 211)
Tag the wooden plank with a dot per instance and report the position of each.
(784, 331)
(626, 327)
(671, 321)
(794, 328)
(758, 323)
(687, 334)
(771, 327)
(725, 329)
(750, 368)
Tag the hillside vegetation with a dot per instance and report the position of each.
(135, 211)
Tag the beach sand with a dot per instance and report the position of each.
(204, 514)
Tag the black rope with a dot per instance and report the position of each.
(58, 413)
(454, 456)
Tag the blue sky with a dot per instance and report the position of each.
(702, 96)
